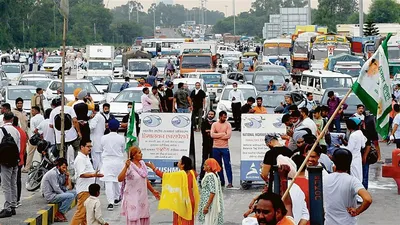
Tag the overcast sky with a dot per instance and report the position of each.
(241, 5)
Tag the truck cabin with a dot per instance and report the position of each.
(193, 62)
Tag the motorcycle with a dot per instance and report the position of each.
(39, 169)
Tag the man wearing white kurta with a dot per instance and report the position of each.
(97, 127)
(113, 157)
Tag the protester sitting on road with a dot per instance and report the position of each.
(56, 188)
(248, 107)
(340, 190)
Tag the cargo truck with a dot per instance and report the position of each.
(100, 61)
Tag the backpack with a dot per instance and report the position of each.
(9, 151)
(67, 121)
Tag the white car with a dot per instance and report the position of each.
(10, 93)
(100, 81)
(114, 87)
(119, 106)
(53, 64)
(191, 82)
(70, 86)
(39, 74)
(224, 103)
(40, 82)
(13, 71)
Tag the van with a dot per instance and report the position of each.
(316, 81)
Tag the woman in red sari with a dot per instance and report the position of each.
(184, 164)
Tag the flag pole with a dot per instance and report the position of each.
(322, 134)
(62, 89)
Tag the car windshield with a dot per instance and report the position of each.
(100, 66)
(300, 47)
(53, 60)
(161, 63)
(115, 87)
(265, 78)
(279, 69)
(394, 53)
(336, 82)
(129, 96)
(196, 61)
(117, 63)
(247, 92)
(139, 66)
(25, 94)
(99, 80)
(354, 72)
(37, 83)
(351, 100)
(272, 100)
(320, 54)
(88, 86)
(11, 68)
(211, 78)
(249, 76)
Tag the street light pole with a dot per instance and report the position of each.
(234, 17)
(361, 18)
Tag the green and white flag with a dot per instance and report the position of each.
(131, 132)
(373, 88)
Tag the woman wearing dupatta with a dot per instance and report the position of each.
(211, 199)
(180, 192)
(135, 204)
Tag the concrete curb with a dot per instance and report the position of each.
(46, 215)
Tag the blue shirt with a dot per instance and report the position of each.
(151, 80)
(124, 86)
(273, 87)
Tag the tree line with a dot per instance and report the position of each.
(33, 23)
(329, 14)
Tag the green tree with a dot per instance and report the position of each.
(330, 13)
(384, 11)
(354, 18)
(370, 29)
(126, 31)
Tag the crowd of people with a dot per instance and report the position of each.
(100, 158)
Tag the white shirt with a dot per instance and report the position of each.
(13, 132)
(154, 101)
(71, 134)
(340, 191)
(97, 127)
(113, 156)
(35, 121)
(93, 211)
(308, 104)
(1, 120)
(361, 117)
(309, 123)
(238, 95)
(113, 144)
(356, 143)
(83, 165)
(293, 87)
(146, 103)
(299, 205)
(47, 132)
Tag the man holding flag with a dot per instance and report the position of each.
(373, 87)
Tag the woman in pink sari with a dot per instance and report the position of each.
(135, 204)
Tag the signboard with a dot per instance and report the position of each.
(331, 49)
(164, 138)
(253, 147)
(100, 51)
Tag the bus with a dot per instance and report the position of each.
(164, 46)
(328, 45)
(276, 48)
(394, 55)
